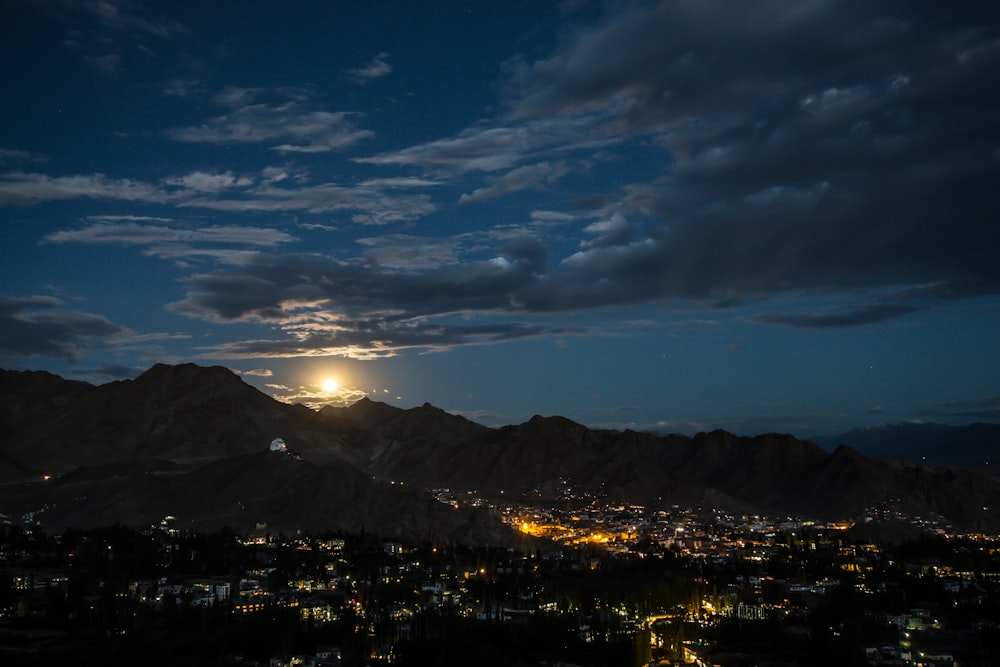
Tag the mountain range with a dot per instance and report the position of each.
(973, 446)
(193, 442)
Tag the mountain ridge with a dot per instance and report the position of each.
(971, 446)
(194, 432)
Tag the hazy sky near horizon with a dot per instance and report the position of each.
(678, 215)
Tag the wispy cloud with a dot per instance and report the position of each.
(405, 251)
(14, 155)
(108, 32)
(373, 205)
(376, 202)
(522, 178)
(137, 234)
(19, 187)
(204, 181)
(376, 68)
(288, 123)
(123, 16)
(256, 372)
(495, 146)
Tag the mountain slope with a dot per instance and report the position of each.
(175, 412)
(243, 491)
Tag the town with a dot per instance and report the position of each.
(594, 582)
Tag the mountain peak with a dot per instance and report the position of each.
(188, 370)
(368, 411)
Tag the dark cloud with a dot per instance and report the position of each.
(986, 409)
(275, 287)
(804, 160)
(42, 326)
(327, 306)
(832, 148)
(749, 425)
(839, 317)
(376, 339)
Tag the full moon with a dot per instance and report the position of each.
(329, 385)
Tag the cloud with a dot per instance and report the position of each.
(793, 161)
(107, 32)
(613, 231)
(14, 155)
(108, 64)
(42, 326)
(984, 408)
(374, 206)
(825, 171)
(712, 154)
(137, 234)
(256, 372)
(31, 188)
(375, 202)
(404, 251)
(839, 317)
(181, 87)
(376, 68)
(315, 397)
(120, 16)
(367, 310)
(379, 339)
(273, 287)
(494, 147)
(288, 120)
(127, 218)
(201, 181)
(530, 176)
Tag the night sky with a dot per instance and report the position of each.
(780, 215)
